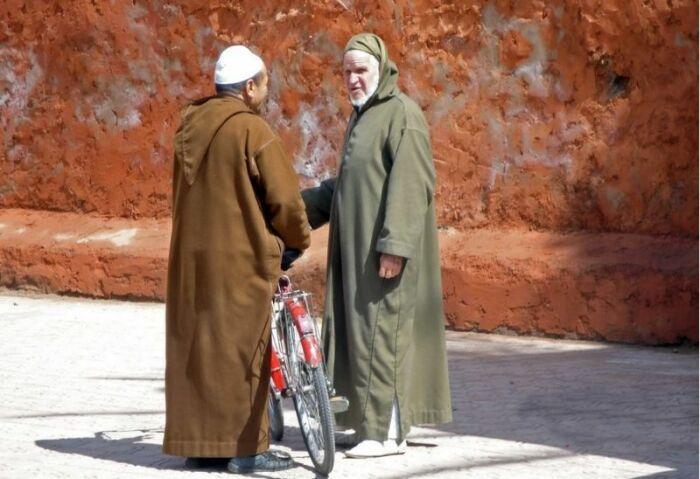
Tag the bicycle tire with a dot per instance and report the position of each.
(275, 413)
(323, 463)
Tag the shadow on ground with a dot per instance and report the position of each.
(631, 403)
(624, 402)
(133, 449)
(136, 448)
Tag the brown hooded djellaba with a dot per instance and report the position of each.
(236, 203)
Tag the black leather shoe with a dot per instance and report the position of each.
(268, 461)
(207, 462)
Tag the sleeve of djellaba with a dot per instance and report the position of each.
(409, 192)
(318, 201)
(284, 208)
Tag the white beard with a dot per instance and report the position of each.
(359, 103)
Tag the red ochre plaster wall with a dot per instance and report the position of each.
(559, 118)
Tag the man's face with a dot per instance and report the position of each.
(361, 75)
(256, 93)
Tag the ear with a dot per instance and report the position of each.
(249, 87)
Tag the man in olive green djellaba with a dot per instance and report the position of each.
(383, 328)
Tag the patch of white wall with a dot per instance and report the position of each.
(314, 159)
(117, 101)
(315, 147)
(64, 236)
(517, 118)
(20, 73)
(122, 237)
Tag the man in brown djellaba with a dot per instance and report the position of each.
(236, 205)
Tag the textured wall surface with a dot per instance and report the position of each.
(576, 119)
(552, 115)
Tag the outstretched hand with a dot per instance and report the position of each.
(389, 265)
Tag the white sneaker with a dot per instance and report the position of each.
(369, 448)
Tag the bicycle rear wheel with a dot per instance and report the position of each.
(274, 409)
(313, 409)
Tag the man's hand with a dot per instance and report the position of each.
(389, 265)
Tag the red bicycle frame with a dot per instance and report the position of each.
(276, 373)
(295, 306)
(307, 331)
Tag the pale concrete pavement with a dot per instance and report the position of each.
(81, 396)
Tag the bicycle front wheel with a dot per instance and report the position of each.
(313, 409)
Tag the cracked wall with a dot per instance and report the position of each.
(546, 115)
(559, 117)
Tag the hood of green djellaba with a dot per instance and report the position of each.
(388, 71)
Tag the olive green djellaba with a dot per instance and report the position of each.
(384, 339)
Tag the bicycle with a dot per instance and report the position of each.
(297, 371)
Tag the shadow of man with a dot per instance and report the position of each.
(136, 448)
(141, 447)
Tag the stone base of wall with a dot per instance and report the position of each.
(76, 254)
(615, 287)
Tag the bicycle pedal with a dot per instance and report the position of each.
(339, 404)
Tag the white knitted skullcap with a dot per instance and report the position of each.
(236, 64)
